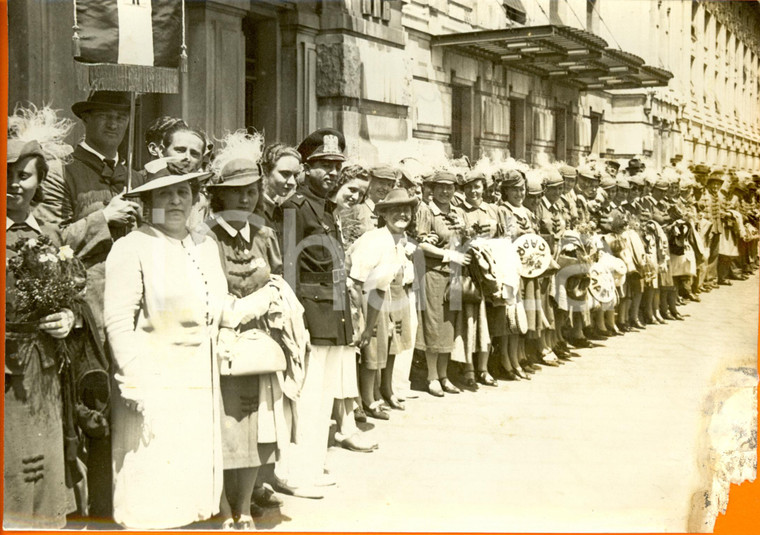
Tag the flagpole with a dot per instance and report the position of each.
(131, 140)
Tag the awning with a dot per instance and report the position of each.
(566, 55)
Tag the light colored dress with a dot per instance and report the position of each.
(380, 263)
(163, 303)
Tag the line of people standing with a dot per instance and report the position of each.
(242, 297)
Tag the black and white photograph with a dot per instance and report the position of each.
(380, 265)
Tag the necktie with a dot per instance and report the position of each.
(108, 167)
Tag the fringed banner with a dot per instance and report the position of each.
(114, 77)
(129, 45)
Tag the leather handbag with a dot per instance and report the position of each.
(248, 352)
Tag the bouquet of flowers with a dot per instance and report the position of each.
(47, 278)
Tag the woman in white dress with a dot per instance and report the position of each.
(165, 296)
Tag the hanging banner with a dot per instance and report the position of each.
(129, 45)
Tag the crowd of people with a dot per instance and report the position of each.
(234, 300)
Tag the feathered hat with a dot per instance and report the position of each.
(29, 125)
(237, 161)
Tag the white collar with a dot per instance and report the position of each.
(245, 232)
(546, 203)
(469, 206)
(435, 208)
(29, 221)
(86, 147)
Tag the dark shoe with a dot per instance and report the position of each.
(469, 381)
(449, 387)
(377, 413)
(552, 363)
(485, 378)
(394, 403)
(510, 376)
(638, 325)
(596, 335)
(264, 496)
(434, 387)
(359, 415)
(725, 283)
(579, 343)
(677, 316)
(523, 375)
(301, 492)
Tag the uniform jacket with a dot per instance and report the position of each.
(314, 254)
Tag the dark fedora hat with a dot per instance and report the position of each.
(102, 100)
(397, 197)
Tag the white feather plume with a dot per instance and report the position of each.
(30, 123)
(237, 145)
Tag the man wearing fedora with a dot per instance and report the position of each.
(88, 200)
(315, 266)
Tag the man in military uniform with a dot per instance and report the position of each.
(314, 265)
(569, 197)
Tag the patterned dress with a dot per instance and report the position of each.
(248, 256)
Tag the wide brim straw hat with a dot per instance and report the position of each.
(159, 175)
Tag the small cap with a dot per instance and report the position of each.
(622, 182)
(102, 100)
(568, 171)
(589, 173)
(513, 178)
(607, 182)
(443, 177)
(662, 184)
(552, 177)
(535, 182)
(18, 149)
(383, 172)
(323, 144)
(613, 163)
(472, 176)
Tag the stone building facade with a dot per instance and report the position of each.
(535, 79)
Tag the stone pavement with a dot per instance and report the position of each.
(607, 442)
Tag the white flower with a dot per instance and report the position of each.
(65, 253)
(48, 257)
(32, 243)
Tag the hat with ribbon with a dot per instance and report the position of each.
(323, 144)
(397, 197)
(159, 175)
(102, 100)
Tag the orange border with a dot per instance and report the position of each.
(743, 513)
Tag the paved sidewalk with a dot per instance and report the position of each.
(607, 442)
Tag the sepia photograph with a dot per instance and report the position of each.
(380, 265)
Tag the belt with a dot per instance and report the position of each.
(335, 276)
